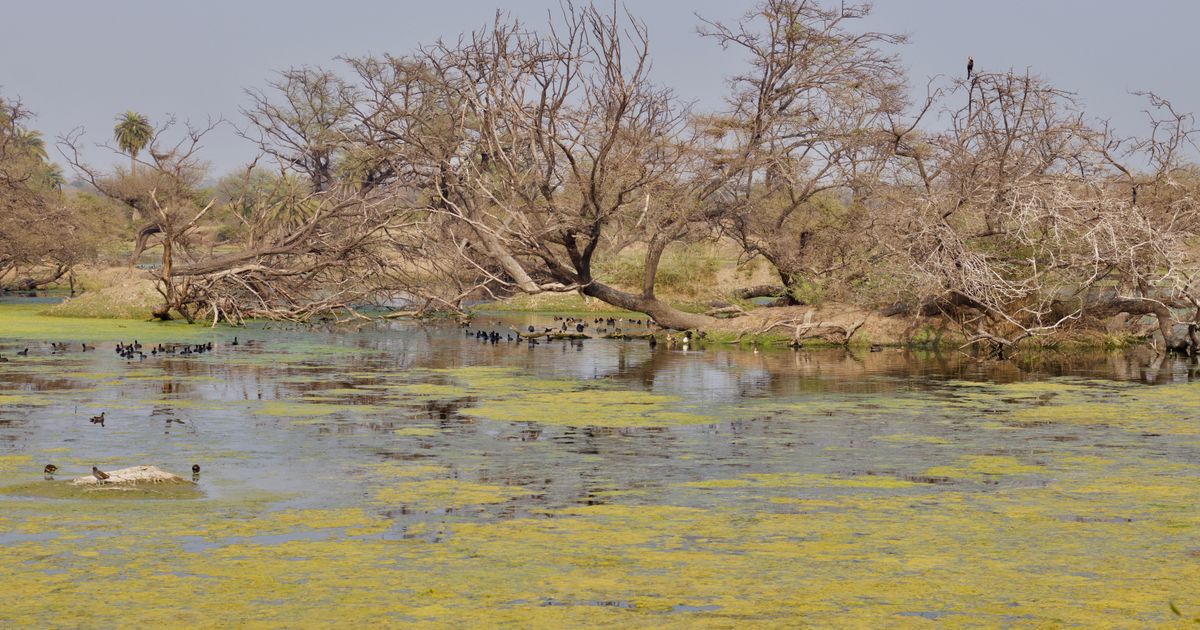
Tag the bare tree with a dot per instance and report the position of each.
(801, 143)
(1018, 220)
(529, 151)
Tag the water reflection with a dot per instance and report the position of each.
(732, 454)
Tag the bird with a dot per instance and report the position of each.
(235, 342)
(98, 419)
(1135, 195)
(24, 352)
(50, 469)
(87, 347)
(3, 359)
(196, 469)
(99, 474)
(876, 348)
(970, 66)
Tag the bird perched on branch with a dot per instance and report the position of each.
(99, 474)
(98, 419)
(970, 67)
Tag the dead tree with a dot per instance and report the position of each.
(801, 144)
(1015, 219)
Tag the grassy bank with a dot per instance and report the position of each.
(110, 293)
(32, 322)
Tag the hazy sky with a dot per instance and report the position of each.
(78, 63)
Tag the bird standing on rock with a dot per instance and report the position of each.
(99, 474)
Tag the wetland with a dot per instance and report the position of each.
(406, 473)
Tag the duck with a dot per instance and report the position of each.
(235, 342)
(99, 474)
(195, 469)
(87, 347)
(876, 348)
(50, 469)
(98, 419)
(24, 352)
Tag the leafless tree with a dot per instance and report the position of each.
(801, 143)
(530, 152)
(1019, 220)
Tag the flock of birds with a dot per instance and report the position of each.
(135, 350)
(567, 329)
(128, 351)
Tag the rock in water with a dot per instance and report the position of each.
(132, 476)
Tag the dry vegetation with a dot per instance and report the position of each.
(517, 160)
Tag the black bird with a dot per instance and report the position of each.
(87, 347)
(1135, 195)
(24, 352)
(98, 419)
(235, 342)
(970, 66)
(195, 469)
(99, 474)
(50, 469)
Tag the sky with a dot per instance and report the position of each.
(77, 63)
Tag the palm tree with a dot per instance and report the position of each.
(54, 176)
(132, 133)
(31, 140)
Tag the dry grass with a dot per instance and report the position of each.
(111, 292)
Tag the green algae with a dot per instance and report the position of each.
(66, 490)
(509, 396)
(547, 501)
(27, 323)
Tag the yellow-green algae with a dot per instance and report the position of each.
(968, 515)
(26, 322)
(510, 396)
(1051, 556)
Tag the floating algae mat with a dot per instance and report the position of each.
(406, 475)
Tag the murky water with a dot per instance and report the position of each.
(411, 474)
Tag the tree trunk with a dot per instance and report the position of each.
(664, 314)
(33, 284)
(650, 266)
(761, 290)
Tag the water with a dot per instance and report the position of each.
(408, 474)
